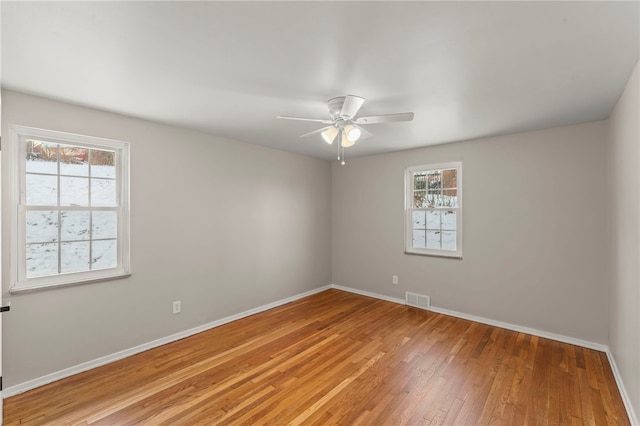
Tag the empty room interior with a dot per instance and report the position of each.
(374, 213)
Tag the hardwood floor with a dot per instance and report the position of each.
(339, 358)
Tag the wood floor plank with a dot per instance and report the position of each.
(338, 358)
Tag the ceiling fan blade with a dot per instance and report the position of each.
(315, 132)
(351, 106)
(388, 118)
(316, 120)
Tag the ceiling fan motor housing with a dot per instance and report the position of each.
(335, 106)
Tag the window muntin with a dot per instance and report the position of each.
(433, 205)
(71, 194)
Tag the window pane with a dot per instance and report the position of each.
(74, 257)
(75, 225)
(104, 225)
(41, 190)
(104, 254)
(74, 191)
(450, 178)
(434, 179)
(418, 238)
(420, 180)
(433, 220)
(448, 240)
(434, 199)
(433, 239)
(103, 192)
(450, 198)
(449, 220)
(103, 163)
(419, 199)
(419, 221)
(42, 226)
(42, 259)
(42, 157)
(73, 160)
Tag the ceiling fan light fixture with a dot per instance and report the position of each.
(329, 135)
(352, 132)
(346, 142)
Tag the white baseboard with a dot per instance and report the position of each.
(534, 332)
(61, 374)
(369, 294)
(633, 419)
(508, 326)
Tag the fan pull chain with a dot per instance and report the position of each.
(340, 148)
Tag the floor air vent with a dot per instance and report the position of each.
(418, 300)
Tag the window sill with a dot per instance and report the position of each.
(446, 256)
(50, 286)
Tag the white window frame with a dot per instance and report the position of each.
(19, 281)
(409, 209)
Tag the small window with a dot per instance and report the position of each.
(433, 206)
(71, 195)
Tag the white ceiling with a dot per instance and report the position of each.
(466, 69)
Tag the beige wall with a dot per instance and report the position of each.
(221, 225)
(534, 230)
(624, 300)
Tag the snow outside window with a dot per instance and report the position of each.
(71, 198)
(433, 206)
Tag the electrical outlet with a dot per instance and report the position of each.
(177, 307)
(394, 280)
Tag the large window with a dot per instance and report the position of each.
(433, 206)
(71, 198)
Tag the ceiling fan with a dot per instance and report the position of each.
(343, 125)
